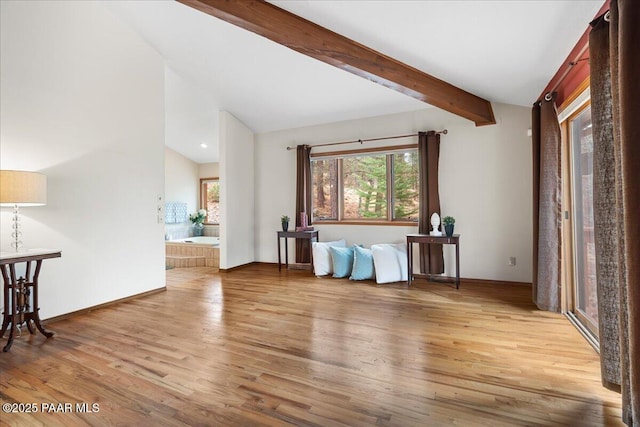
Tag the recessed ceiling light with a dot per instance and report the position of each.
(203, 145)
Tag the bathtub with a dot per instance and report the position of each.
(200, 240)
(200, 251)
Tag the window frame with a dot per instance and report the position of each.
(203, 196)
(338, 156)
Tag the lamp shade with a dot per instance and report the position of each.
(22, 188)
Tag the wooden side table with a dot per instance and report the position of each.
(439, 240)
(17, 291)
(312, 236)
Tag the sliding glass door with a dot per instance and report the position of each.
(585, 299)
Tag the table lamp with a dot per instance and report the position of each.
(21, 188)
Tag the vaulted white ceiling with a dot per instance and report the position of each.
(504, 51)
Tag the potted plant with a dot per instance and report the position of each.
(197, 219)
(448, 222)
(285, 222)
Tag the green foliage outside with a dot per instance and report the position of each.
(367, 177)
(213, 192)
(365, 186)
(405, 171)
(213, 201)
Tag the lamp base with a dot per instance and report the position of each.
(17, 243)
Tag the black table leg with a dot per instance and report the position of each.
(286, 252)
(409, 263)
(457, 266)
(279, 257)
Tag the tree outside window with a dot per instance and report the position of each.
(405, 186)
(379, 186)
(210, 199)
(364, 182)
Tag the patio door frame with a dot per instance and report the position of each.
(575, 105)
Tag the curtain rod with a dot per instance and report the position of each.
(548, 96)
(361, 141)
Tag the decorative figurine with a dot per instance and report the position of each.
(435, 223)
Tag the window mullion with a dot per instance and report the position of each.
(340, 192)
(390, 187)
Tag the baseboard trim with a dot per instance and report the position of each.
(495, 282)
(237, 267)
(444, 279)
(292, 266)
(103, 305)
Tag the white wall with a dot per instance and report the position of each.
(209, 170)
(82, 100)
(485, 183)
(237, 213)
(181, 180)
(182, 184)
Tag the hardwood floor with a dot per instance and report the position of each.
(258, 347)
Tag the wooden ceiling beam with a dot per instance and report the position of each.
(308, 38)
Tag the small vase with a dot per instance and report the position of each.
(198, 229)
(285, 225)
(448, 230)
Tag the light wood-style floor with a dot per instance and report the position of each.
(258, 347)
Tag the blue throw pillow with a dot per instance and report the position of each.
(362, 264)
(342, 259)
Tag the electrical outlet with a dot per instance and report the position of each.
(511, 261)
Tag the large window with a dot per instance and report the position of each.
(378, 186)
(210, 199)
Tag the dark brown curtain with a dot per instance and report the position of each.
(606, 228)
(547, 207)
(431, 259)
(303, 198)
(615, 113)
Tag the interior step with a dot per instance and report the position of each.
(179, 261)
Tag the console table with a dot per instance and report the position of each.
(17, 291)
(439, 240)
(312, 236)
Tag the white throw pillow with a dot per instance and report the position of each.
(322, 263)
(390, 261)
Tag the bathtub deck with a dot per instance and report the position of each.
(183, 255)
